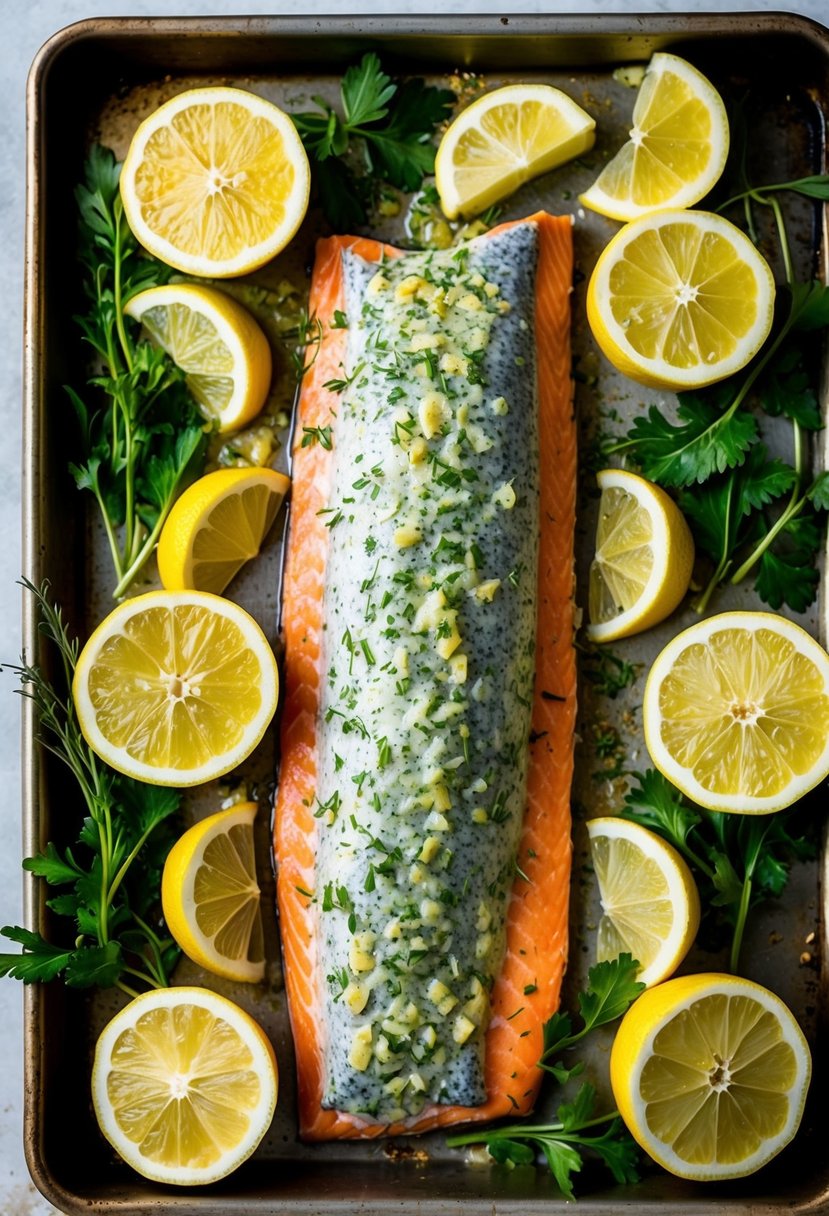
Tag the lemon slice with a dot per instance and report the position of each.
(175, 687)
(644, 557)
(216, 182)
(677, 149)
(184, 1085)
(680, 299)
(217, 344)
(502, 140)
(736, 712)
(710, 1074)
(211, 897)
(650, 903)
(216, 526)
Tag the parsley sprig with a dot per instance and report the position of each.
(142, 436)
(739, 860)
(110, 881)
(611, 988)
(714, 454)
(384, 134)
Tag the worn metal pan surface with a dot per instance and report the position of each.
(98, 79)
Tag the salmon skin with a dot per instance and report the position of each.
(422, 816)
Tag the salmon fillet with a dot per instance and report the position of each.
(527, 987)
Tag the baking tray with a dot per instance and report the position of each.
(97, 79)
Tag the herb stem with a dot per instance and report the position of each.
(141, 975)
(797, 502)
(526, 1130)
(740, 924)
(126, 347)
(132, 993)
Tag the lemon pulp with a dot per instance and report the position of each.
(643, 560)
(680, 299)
(744, 710)
(677, 148)
(211, 897)
(650, 904)
(184, 1085)
(623, 563)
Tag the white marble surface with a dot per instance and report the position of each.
(25, 28)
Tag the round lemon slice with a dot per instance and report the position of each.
(677, 149)
(216, 182)
(736, 712)
(644, 557)
(175, 687)
(211, 897)
(184, 1085)
(217, 525)
(710, 1074)
(502, 140)
(680, 299)
(650, 902)
(222, 351)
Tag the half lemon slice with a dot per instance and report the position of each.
(216, 182)
(211, 898)
(175, 687)
(502, 140)
(217, 525)
(650, 902)
(710, 1074)
(677, 149)
(222, 351)
(736, 712)
(644, 557)
(184, 1085)
(680, 299)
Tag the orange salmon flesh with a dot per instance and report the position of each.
(536, 944)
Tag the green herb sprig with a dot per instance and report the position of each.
(142, 436)
(713, 454)
(383, 135)
(111, 879)
(739, 861)
(611, 988)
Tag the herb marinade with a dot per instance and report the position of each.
(430, 604)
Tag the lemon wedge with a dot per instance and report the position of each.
(710, 1074)
(175, 687)
(211, 897)
(680, 299)
(184, 1085)
(216, 182)
(677, 149)
(217, 525)
(502, 140)
(217, 344)
(736, 712)
(644, 557)
(650, 902)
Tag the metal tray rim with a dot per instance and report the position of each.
(219, 27)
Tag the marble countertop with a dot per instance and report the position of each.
(31, 25)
